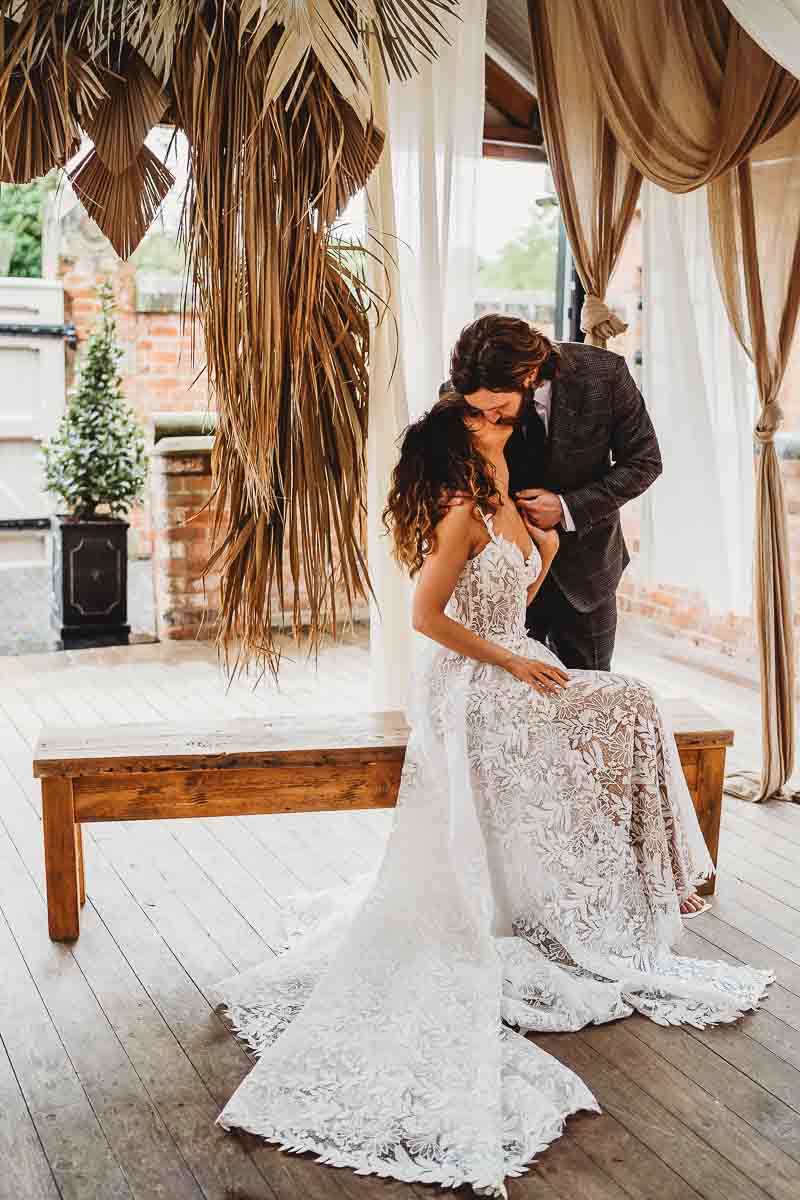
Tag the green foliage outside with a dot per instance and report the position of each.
(527, 262)
(21, 213)
(97, 457)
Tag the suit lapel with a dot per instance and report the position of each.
(566, 403)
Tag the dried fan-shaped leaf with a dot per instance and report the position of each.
(285, 332)
(360, 152)
(36, 133)
(336, 30)
(124, 205)
(320, 518)
(273, 96)
(327, 29)
(408, 30)
(46, 91)
(135, 103)
(405, 30)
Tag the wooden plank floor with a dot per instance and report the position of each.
(113, 1065)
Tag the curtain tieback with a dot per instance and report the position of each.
(598, 319)
(769, 422)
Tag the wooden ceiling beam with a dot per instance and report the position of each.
(514, 150)
(508, 94)
(511, 126)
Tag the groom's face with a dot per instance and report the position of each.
(500, 408)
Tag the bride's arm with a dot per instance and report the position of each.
(457, 537)
(547, 542)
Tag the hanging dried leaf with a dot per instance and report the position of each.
(319, 520)
(357, 157)
(408, 30)
(46, 92)
(285, 333)
(326, 29)
(336, 31)
(125, 205)
(135, 103)
(274, 98)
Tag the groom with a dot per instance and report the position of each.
(583, 445)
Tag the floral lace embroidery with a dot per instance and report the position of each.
(532, 878)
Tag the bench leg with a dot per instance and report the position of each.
(710, 778)
(79, 857)
(61, 860)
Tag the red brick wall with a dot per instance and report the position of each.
(679, 612)
(158, 372)
(186, 605)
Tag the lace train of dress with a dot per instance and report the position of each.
(532, 879)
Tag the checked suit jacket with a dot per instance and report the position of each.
(601, 451)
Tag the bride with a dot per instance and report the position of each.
(543, 842)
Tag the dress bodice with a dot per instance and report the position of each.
(490, 597)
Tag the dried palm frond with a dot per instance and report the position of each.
(135, 103)
(324, 28)
(125, 205)
(318, 519)
(356, 158)
(273, 96)
(334, 30)
(285, 332)
(46, 92)
(407, 30)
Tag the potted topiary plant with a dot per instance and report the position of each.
(96, 464)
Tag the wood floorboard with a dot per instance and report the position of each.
(114, 1064)
(749, 1127)
(758, 872)
(683, 1149)
(25, 1173)
(135, 1131)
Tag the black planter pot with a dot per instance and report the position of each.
(89, 581)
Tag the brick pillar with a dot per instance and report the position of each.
(180, 486)
(186, 607)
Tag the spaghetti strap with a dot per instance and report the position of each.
(488, 522)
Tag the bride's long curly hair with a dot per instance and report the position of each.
(437, 459)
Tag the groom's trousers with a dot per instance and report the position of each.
(583, 641)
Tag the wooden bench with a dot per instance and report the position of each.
(147, 772)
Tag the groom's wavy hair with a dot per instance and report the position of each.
(437, 456)
(499, 353)
(437, 459)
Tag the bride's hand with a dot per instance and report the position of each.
(546, 541)
(542, 676)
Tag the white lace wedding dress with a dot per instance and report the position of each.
(532, 879)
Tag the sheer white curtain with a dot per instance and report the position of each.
(774, 25)
(390, 626)
(697, 519)
(436, 134)
(422, 205)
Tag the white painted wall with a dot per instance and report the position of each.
(31, 402)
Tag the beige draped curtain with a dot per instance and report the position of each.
(754, 213)
(676, 91)
(687, 93)
(597, 187)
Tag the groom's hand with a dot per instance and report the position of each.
(541, 508)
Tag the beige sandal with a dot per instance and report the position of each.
(697, 912)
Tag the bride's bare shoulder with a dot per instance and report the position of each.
(462, 524)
